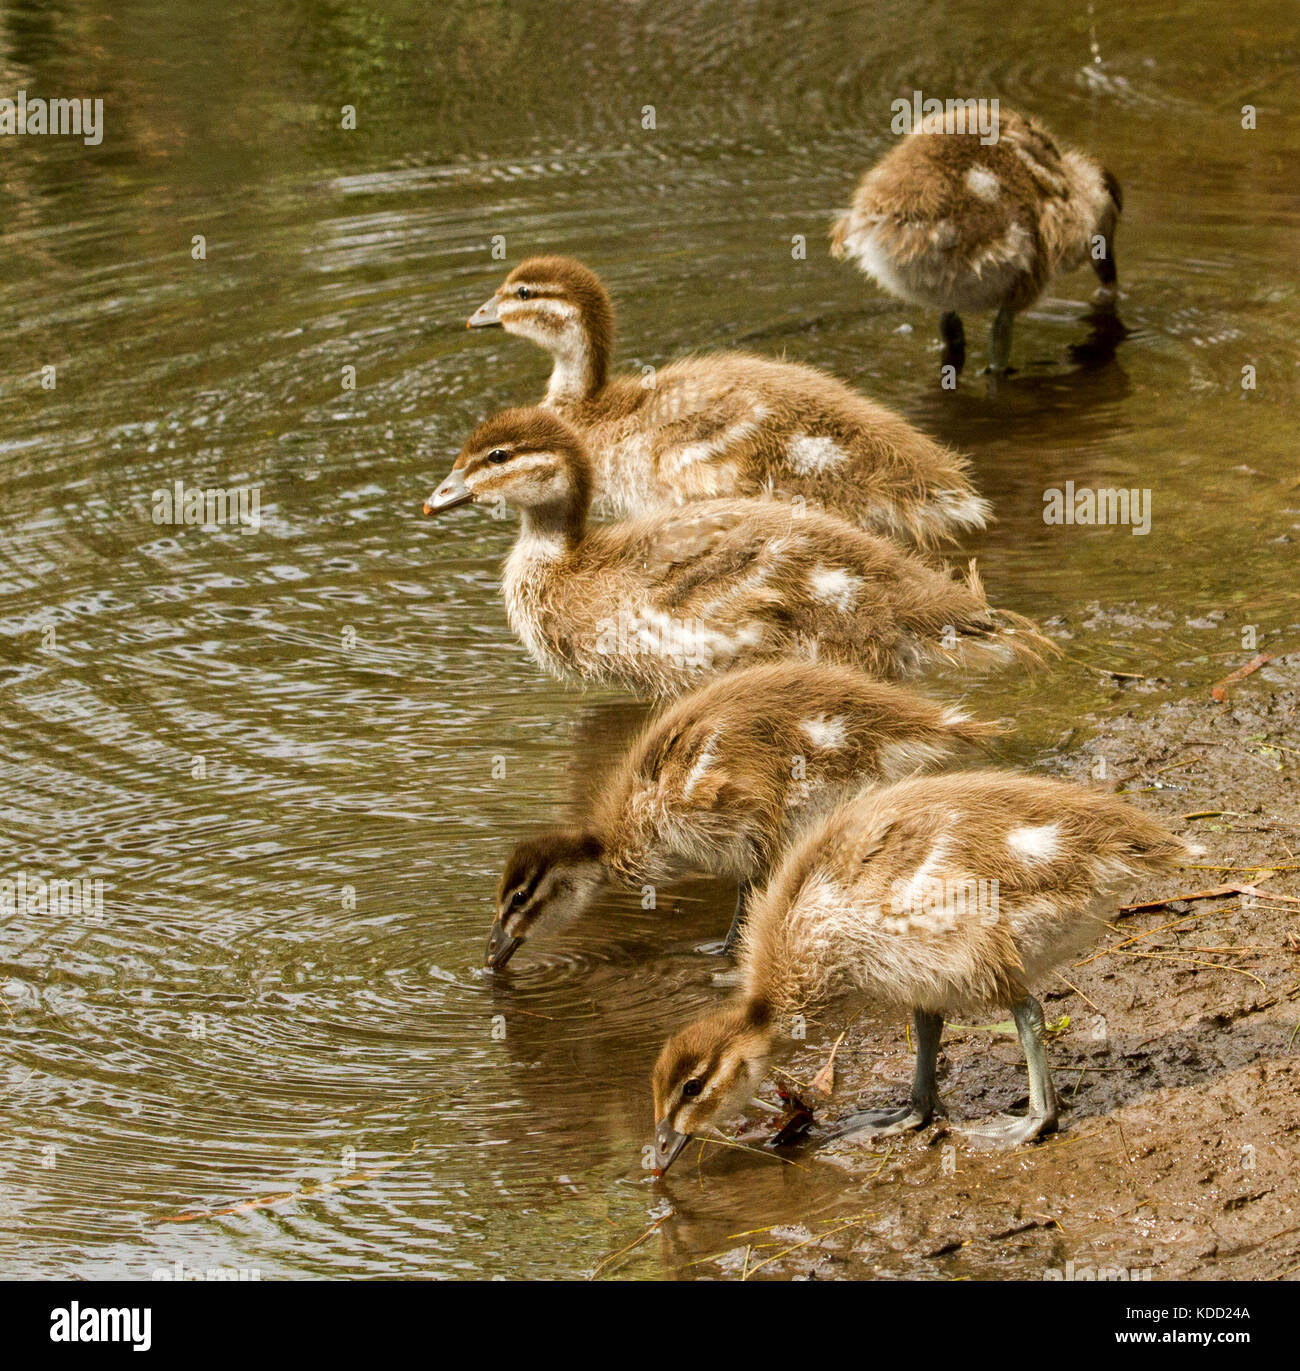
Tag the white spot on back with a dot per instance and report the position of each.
(702, 763)
(828, 733)
(834, 586)
(691, 453)
(809, 455)
(980, 181)
(912, 893)
(1035, 842)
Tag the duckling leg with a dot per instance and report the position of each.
(1000, 343)
(954, 341)
(738, 918)
(1042, 1115)
(1107, 273)
(924, 1103)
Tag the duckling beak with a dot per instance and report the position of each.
(668, 1143)
(450, 493)
(485, 316)
(500, 948)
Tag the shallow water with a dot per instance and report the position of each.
(295, 757)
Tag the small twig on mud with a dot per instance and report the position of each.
(1137, 937)
(1232, 888)
(1219, 691)
(1077, 991)
(816, 1237)
(636, 1242)
(1191, 961)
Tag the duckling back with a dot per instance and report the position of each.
(948, 221)
(948, 893)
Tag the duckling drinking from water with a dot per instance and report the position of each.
(659, 602)
(729, 423)
(951, 222)
(943, 895)
(719, 780)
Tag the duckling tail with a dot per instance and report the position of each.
(973, 732)
(839, 235)
(1003, 633)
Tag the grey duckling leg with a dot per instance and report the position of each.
(954, 341)
(1042, 1115)
(1000, 343)
(738, 918)
(924, 1103)
(728, 944)
(1107, 273)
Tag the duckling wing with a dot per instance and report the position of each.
(706, 421)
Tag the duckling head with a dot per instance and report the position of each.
(560, 305)
(708, 1072)
(549, 878)
(526, 458)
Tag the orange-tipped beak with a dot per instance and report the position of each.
(452, 492)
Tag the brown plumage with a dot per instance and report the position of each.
(718, 782)
(657, 603)
(728, 424)
(946, 221)
(945, 895)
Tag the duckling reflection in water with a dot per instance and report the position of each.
(719, 781)
(947, 221)
(657, 603)
(728, 423)
(942, 895)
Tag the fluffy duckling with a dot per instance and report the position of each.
(729, 423)
(718, 781)
(946, 221)
(944, 895)
(656, 603)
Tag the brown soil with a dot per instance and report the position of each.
(1179, 1069)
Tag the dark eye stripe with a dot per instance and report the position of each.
(529, 887)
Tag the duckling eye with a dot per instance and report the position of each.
(498, 455)
(524, 293)
(517, 899)
(692, 1088)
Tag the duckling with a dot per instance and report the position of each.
(946, 221)
(718, 781)
(656, 603)
(729, 423)
(941, 894)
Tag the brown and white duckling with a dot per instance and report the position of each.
(946, 221)
(717, 783)
(728, 423)
(944, 895)
(657, 603)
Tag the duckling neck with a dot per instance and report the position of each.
(578, 372)
(549, 532)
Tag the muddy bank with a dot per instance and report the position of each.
(1177, 1056)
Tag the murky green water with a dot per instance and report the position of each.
(281, 751)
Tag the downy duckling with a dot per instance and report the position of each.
(729, 423)
(944, 895)
(718, 782)
(946, 221)
(656, 603)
